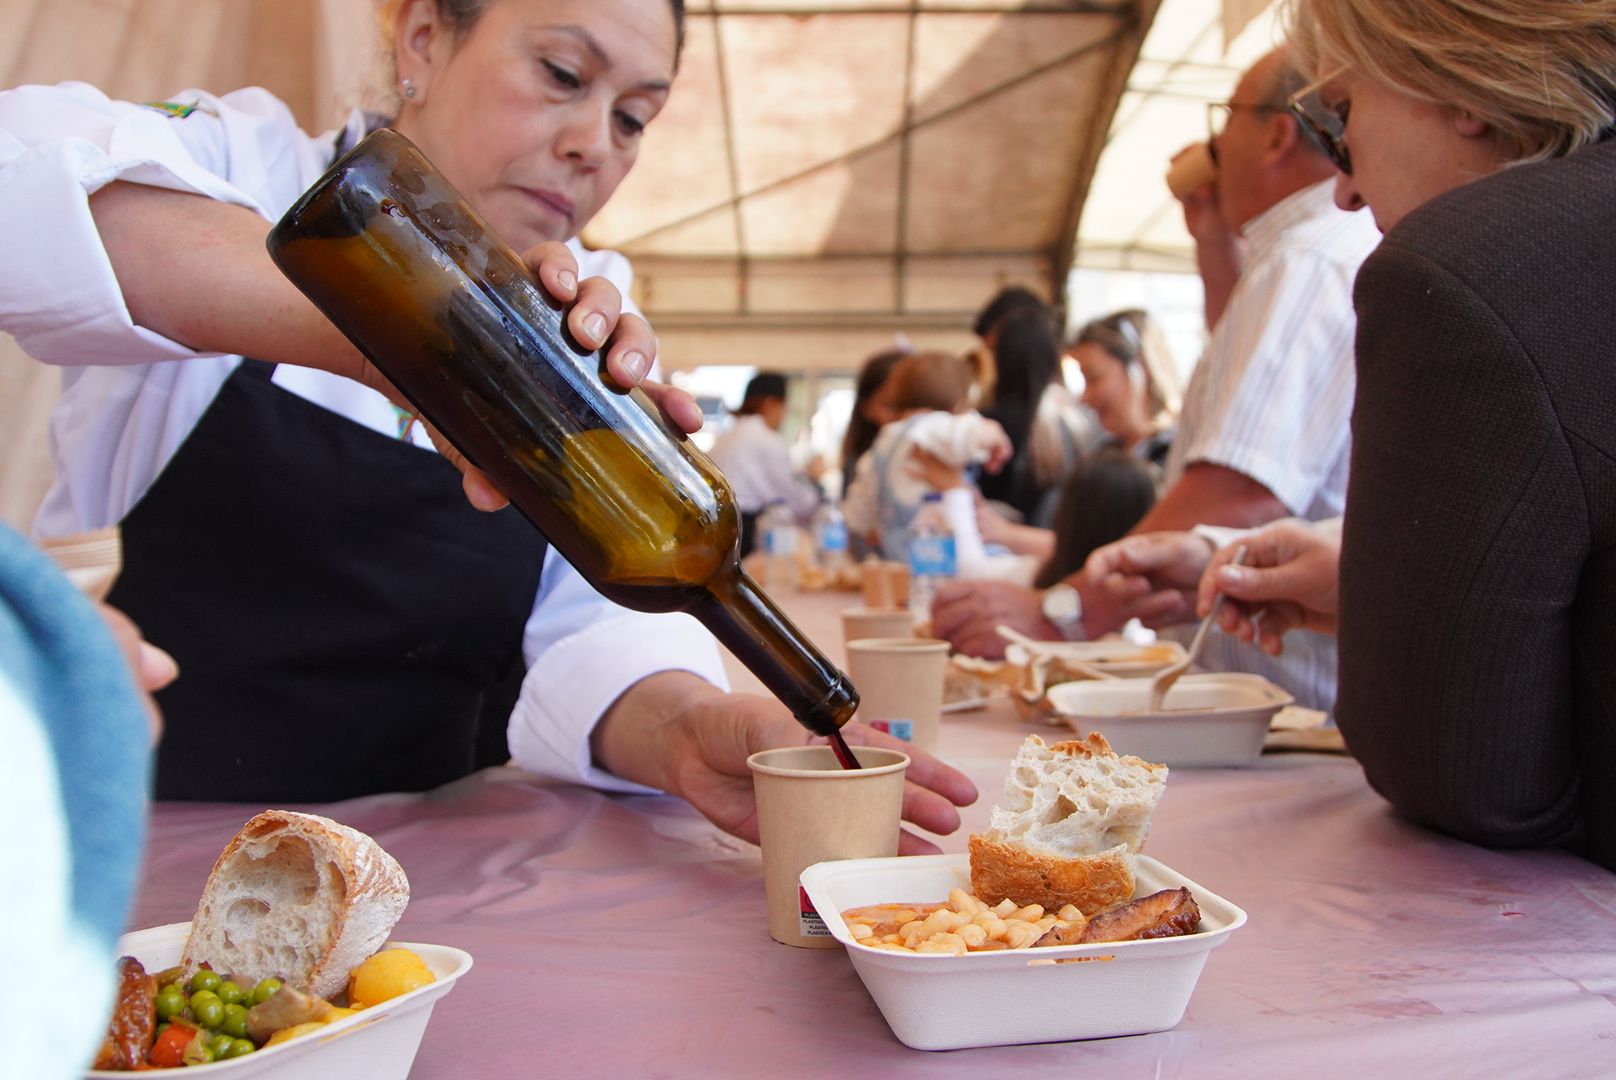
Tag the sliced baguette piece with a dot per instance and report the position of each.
(298, 897)
(1074, 816)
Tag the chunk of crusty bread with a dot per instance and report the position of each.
(1074, 816)
(298, 897)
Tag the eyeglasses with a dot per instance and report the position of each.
(1218, 113)
(1325, 126)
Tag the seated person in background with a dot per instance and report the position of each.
(1047, 428)
(77, 723)
(929, 393)
(1122, 357)
(756, 461)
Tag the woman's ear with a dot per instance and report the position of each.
(418, 45)
(1469, 125)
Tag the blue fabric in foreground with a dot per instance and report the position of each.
(57, 652)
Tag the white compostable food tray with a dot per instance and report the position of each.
(1215, 718)
(1052, 994)
(378, 1043)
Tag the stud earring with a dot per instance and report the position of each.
(408, 88)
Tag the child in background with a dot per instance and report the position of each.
(930, 391)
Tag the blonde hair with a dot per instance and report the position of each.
(1540, 73)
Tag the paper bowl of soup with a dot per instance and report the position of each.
(1208, 719)
(378, 1043)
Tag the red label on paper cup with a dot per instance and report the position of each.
(809, 924)
(898, 729)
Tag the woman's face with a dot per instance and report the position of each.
(536, 114)
(1405, 152)
(1116, 401)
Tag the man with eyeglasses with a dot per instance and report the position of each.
(1264, 430)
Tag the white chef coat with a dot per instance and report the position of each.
(131, 396)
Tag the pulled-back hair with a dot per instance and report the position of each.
(1540, 73)
(461, 15)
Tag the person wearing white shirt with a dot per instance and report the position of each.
(754, 458)
(343, 618)
(1265, 429)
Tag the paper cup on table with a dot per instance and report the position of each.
(811, 810)
(1192, 168)
(885, 584)
(900, 685)
(863, 622)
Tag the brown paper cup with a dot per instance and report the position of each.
(1192, 168)
(809, 810)
(885, 584)
(862, 622)
(900, 685)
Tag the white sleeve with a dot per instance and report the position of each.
(582, 653)
(61, 144)
(1277, 403)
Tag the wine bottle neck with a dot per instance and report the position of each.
(743, 618)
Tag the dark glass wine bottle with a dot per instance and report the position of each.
(393, 256)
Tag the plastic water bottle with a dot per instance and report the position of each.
(931, 556)
(777, 531)
(830, 538)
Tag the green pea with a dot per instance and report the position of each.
(170, 1003)
(174, 988)
(205, 980)
(239, 1048)
(235, 1021)
(264, 989)
(230, 992)
(207, 1008)
(220, 1045)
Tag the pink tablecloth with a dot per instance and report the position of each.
(623, 936)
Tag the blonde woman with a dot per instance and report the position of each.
(1477, 598)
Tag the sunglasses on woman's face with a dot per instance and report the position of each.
(1324, 125)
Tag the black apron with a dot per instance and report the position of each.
(345, 623)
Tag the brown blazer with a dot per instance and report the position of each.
(1478, 563)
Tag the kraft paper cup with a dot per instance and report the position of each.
(811, 810)
(900, 685)
(1192, 168)
(885, 584)
(863, 622)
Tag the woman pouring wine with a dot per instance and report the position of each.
(341, 616)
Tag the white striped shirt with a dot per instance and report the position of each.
(1272, 395)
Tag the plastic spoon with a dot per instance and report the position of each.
(1166, 677)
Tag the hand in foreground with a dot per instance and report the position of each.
(152, 668)
(594, 314)
(1151, 577)
(1290, 581)
(678, 733)
(968, 614)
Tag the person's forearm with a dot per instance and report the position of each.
(1029, 540)
(628, 740)
(1212, 495)
(196, 271)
